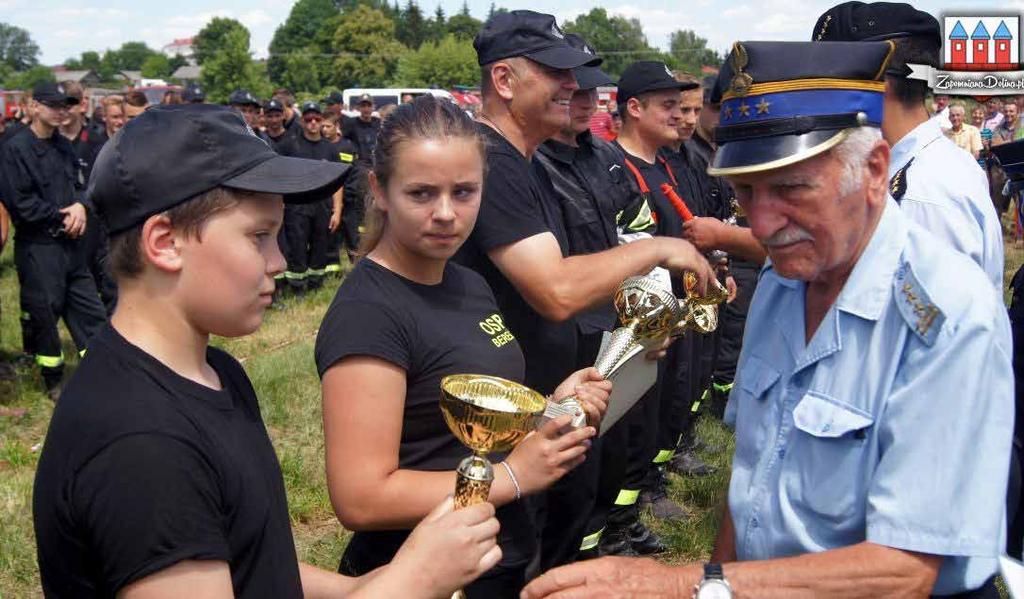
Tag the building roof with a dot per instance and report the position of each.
(132, 75)
(980, 32)
(1002, 32)
(187, 72)
(65, 75)
(958, 33)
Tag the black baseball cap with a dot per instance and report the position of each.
(242, 97)
(363, 99)
(875, 22)
(310, 107)
(52, 94)
(201, 146)
(193, 93)
(529, 34)
(272, 105)
(587, 77)
(644, 76)
(333, 98)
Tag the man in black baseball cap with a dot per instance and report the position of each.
(520, 244)
(50, 217)
(935, 183)
(244, 102)
(273, 118)
(333, 103)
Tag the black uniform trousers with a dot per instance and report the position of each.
(55, 282)
(95, 242)
(306, 231)
(732, 322)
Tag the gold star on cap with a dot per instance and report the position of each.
(744, 109)
(762, 106)
(727, 112)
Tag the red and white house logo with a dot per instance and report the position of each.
(981, 43)
(980, 56)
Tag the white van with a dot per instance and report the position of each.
(384, 96)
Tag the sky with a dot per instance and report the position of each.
(64, 29)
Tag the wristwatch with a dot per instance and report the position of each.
(713, 585)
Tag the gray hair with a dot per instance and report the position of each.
(853, 153)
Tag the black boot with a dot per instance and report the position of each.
(615, 541)
(645, 541)
(655, 497)
(687, 463)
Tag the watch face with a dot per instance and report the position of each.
(714, 589)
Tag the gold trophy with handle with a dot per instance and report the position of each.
(486, 413)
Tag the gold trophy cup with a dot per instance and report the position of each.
(486, 413)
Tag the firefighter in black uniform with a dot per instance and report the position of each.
(50, 216)
(307, 225)
(363, 129)
(346, 211)
(599, 199)
(247, 105)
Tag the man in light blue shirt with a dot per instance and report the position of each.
(937, 184)
(873, 401)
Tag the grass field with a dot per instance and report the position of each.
(279, 359)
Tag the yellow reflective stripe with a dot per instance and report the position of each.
(643, 219)
(278, 277)
(627, 497)
(346, 157)
(294, 275)
(333, 268)
(361, 229)
(664, 455)
(590, 541)
(81, 353)
(707, 394)
(695, 407)
(49, 361)
(315, 272)
(722, 388)
(26, 316)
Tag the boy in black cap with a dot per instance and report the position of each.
(273, 116)
(935, 183)
(193, 94)
(333, 103)
(169, 486)
(50, 216)
(519, 243)
(244, 102)
(307, 226)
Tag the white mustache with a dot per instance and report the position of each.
(790, 234)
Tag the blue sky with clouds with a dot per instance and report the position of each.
(64, 29)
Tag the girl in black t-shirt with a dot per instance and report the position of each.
(404, 318)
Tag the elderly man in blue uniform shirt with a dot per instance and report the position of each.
(935, 183)
(873, 402)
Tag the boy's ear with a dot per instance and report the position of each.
(159, 242)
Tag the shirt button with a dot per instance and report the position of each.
(753, 522)
(782, 452)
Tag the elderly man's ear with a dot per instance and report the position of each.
(877, 172)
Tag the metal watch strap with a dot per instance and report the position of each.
(713, 571)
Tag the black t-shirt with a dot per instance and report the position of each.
(275, 142)
(143, 468)
(430, 331)
(364, 135)
(519, 202)
(670, 223)
(299, 146)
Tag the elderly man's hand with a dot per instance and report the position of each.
(611, 577)
(704, 232)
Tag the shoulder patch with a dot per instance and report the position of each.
(923, 316)
(898, 182)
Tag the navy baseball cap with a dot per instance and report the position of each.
(310, 107)
(242, 97)
(587, 77)
(271, 105)
(193, 93)
(875, 22)
(201, 147)
(645, 76)
(333, 98)
(529, 34)
(52, 94)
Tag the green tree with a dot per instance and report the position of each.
(303, 24)
(463, 25)
(447, 63)
(619, 40)
(437, 27)
(28, 78)
(367, 48)
(691, 52)
(156, 66)
(176, 62)
(302, 71)
(211, 37)
(230, 67)
(130, 56)
(411, 28)
(17, 50)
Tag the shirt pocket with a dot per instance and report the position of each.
(748, 411)
(825, 469)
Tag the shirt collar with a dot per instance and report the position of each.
(911, 143)
(559, 151)
(869, 286)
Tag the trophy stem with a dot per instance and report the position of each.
(619, 344)
(473, 481)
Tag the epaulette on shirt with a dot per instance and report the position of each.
(921, 314)
(898, 182)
